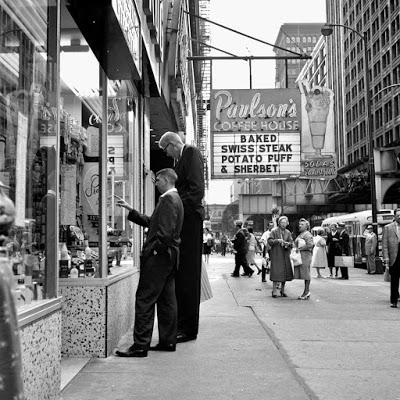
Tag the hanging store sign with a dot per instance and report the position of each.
(255, 133)
(318, 155)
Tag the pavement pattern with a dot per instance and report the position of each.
(343, 343)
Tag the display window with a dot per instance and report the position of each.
(120, 126)
(28, 141)
(97, 117)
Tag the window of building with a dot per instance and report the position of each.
(363, 151)
(349, 158)
(362, 130)
(394, 5)
(396, 74)
(396, 105)
(355, 135)
(314, 39)
(348, 117)
(376, 47)
(375, 26)
(349, 139)
(395, 25)
(378, 118)
(361, 85)
(387, 80)
(29, 136)
(354, 112)
(389, 137)
(386, 59)
(379, 141)
(385, 37)
(397, 132)
(377, 68)
(366, 16)
(357, 154)
(384, 14)
(361, 106)
(304, 39)
(388, 112)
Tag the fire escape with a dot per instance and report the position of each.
(203, 87)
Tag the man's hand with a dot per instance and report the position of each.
(122, 203)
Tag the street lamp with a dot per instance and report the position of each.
(327, 30)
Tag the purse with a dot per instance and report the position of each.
(295, 258)
(386, 275)
(344, 261)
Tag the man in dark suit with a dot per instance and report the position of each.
(334, 248)
(391, 255)
(344, 242)
(190, 184)
(240, 247)
(159, 262)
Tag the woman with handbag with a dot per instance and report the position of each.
(251, 250)
(304, 244)
(319, 258)
(281, 242)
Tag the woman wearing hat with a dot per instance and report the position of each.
(334, 248)
(281, 243)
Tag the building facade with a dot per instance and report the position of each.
(380, 20)
(300, 38)
(86, 90)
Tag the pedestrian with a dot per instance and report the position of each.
(334, 249)
(391, 255)
(252, 250)
(344, 243)
(240, 247)
(190, 185)
(208, 242)
(370, 249)
(159, 262)
(319, 258)
(304, 243)
(224, 243)
(265, 250)
(281, 243)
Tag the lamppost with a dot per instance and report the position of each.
(327, 30)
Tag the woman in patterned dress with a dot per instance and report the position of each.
(304, 243)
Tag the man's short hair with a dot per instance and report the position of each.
(169, 174)
(341, 225)
(169, 138)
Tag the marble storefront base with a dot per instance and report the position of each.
(97, 312)
(40, 334)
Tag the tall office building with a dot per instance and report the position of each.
(380, 19)
(300, 38)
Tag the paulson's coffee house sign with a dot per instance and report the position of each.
(255, 133)
(272, 133)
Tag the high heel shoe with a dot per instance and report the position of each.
(274, 294)
(305, 297)
(283, 294)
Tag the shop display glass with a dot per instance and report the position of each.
(28, 141)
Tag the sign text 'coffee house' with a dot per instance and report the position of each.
(255, 133)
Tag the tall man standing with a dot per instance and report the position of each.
(391, 255)
(159, 261)
(190, 184)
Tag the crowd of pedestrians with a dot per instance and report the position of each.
(286, 256)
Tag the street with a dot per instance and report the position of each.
(343, 343)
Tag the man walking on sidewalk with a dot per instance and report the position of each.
(159, 261)
(391, 255)
(190, 184)
(370, 249)
(240, 247)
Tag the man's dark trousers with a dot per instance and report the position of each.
(241, 260)
(394, 271)
(156, 285)
(188, 276)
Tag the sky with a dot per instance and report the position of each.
(261, 19)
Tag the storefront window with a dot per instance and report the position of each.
(28, 141)
(121, 108)
(81, 106)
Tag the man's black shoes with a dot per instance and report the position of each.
(163, 347)
(132, 352)
(182, 338)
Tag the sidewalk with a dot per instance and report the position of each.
(233, 358)
(344, 343)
